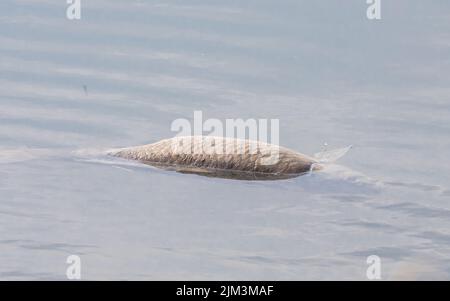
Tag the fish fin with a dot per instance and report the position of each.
(331, 155)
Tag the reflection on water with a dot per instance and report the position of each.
(226, 173)
(119, 76)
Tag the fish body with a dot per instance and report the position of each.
(221, 157)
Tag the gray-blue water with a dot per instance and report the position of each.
(120, 76)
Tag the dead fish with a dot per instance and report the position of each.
(222, 157)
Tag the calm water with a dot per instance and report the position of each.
(120, 76)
